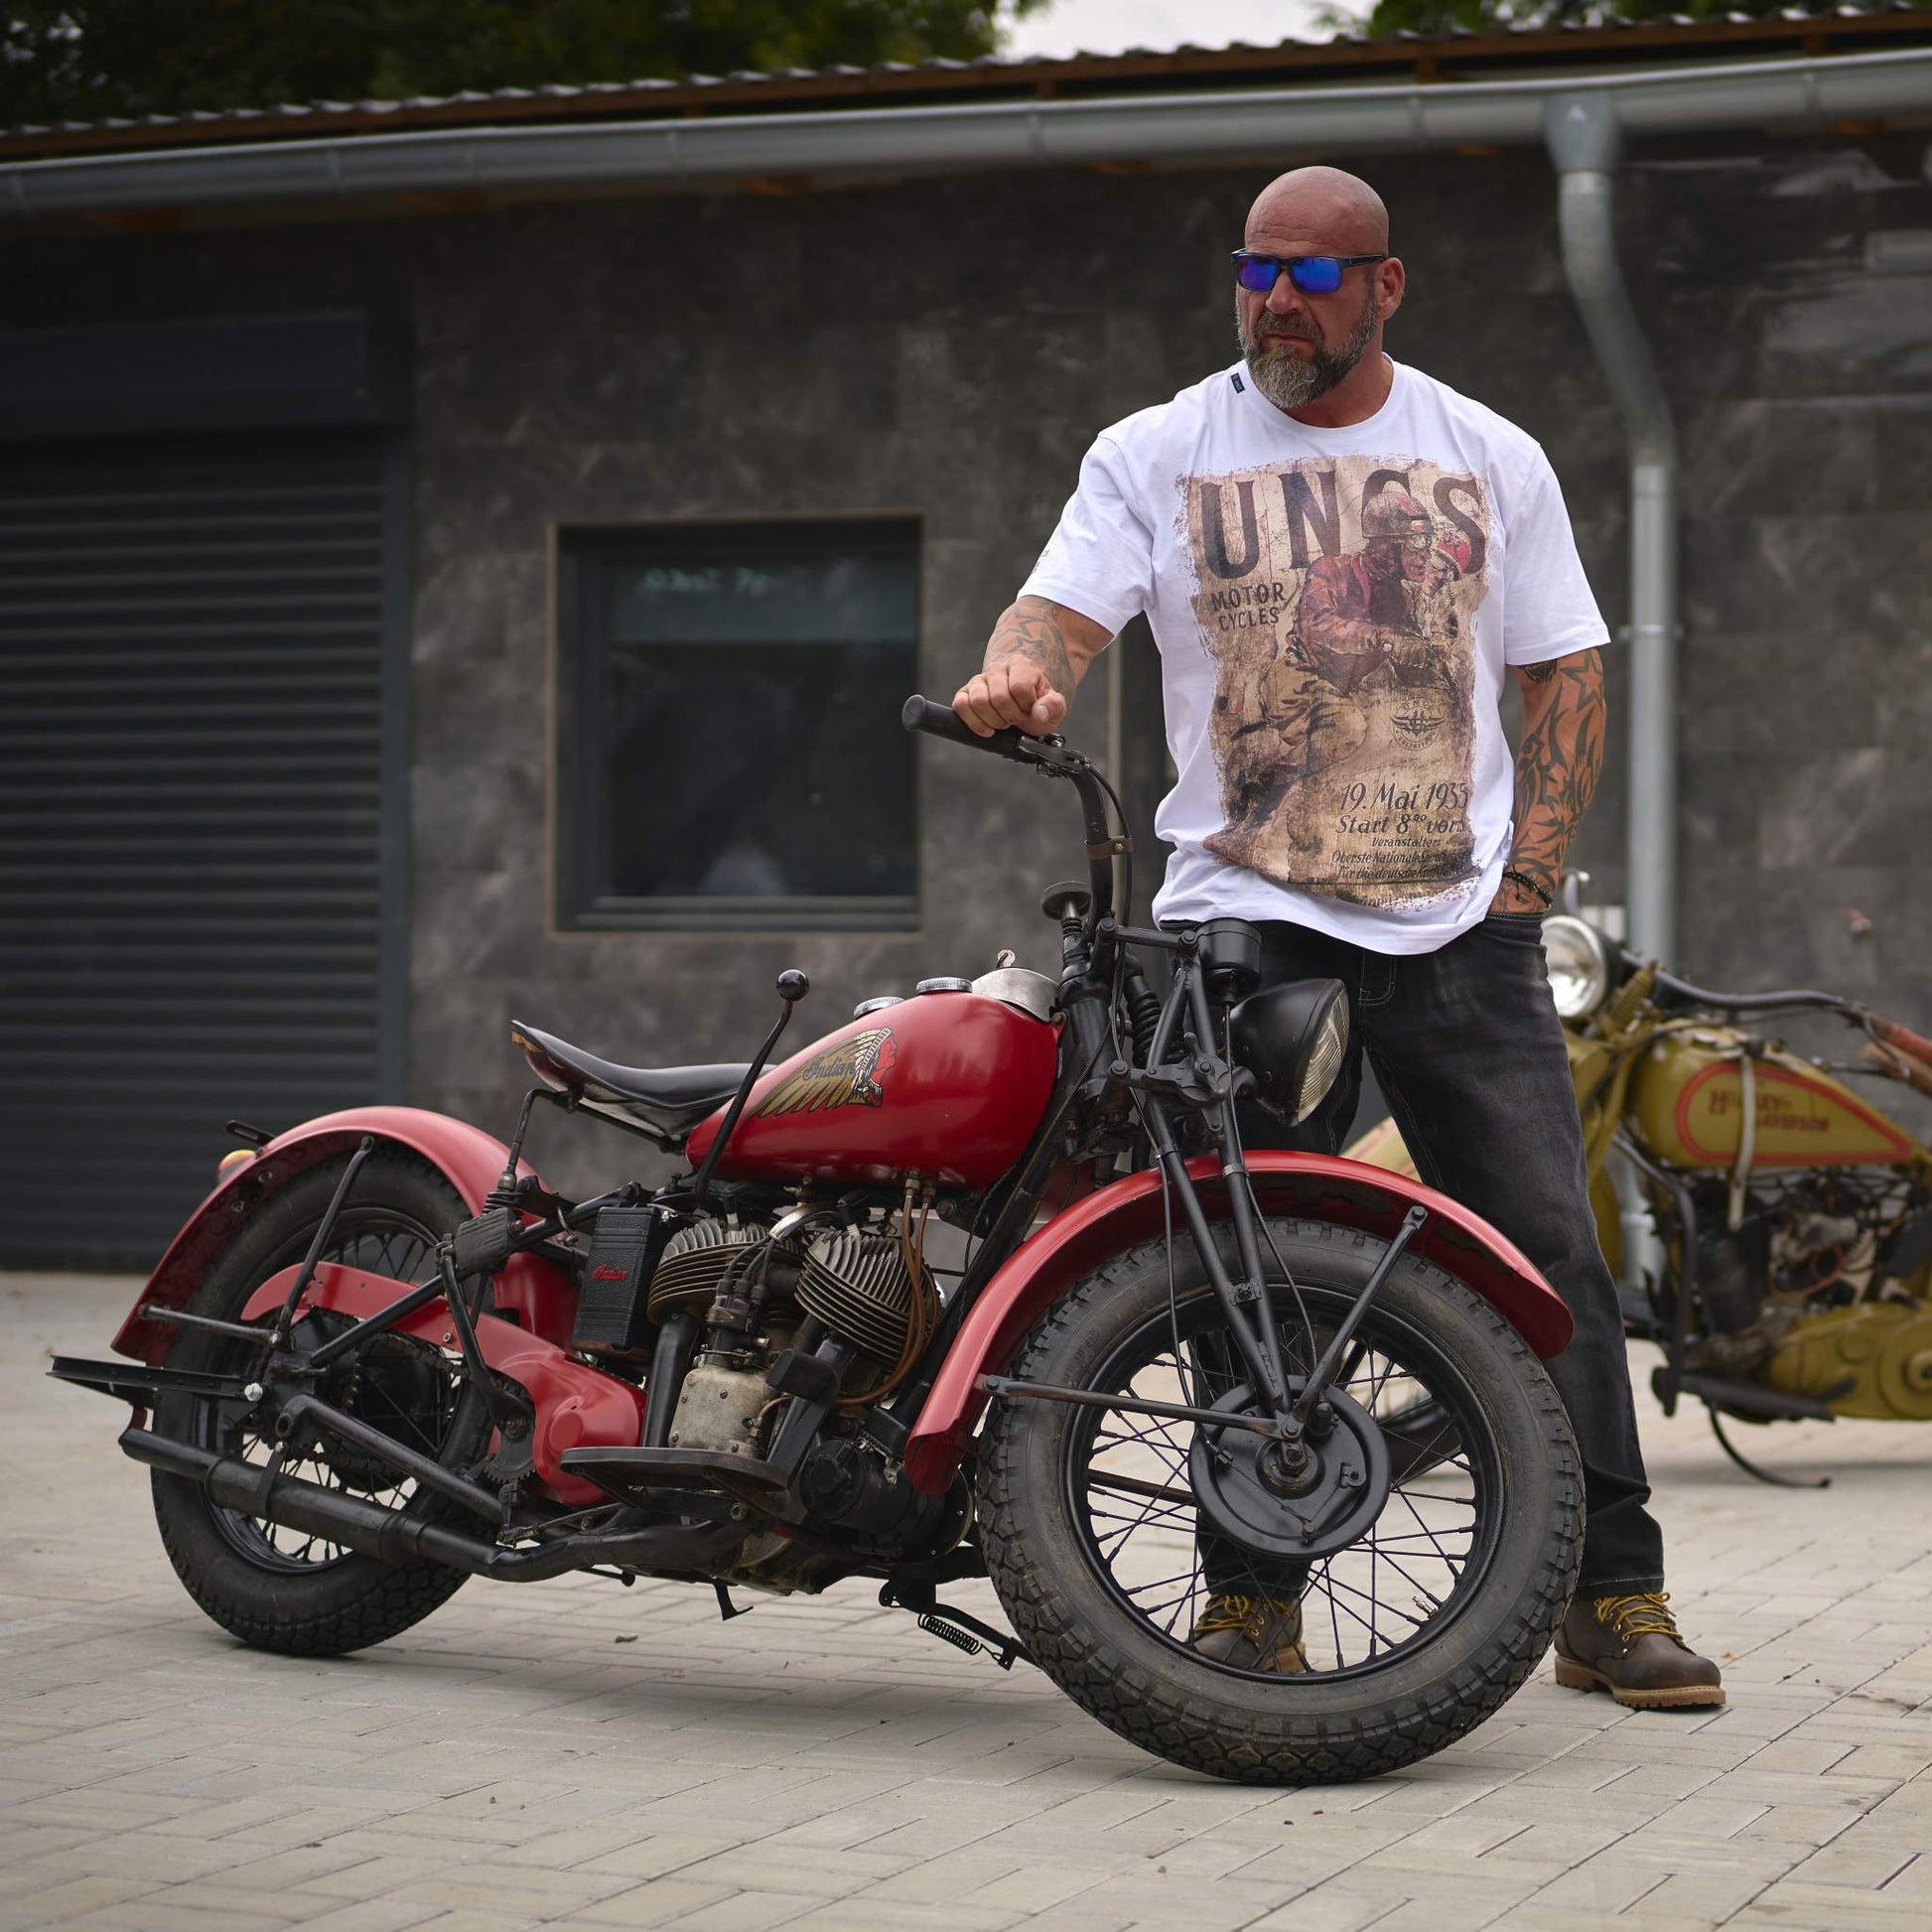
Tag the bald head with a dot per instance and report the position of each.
(1318, 210)
(1320, 348)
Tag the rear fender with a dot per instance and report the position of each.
(576, 1404)
(1308, 1186)
(543, 1296)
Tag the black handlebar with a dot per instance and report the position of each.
(1793, 998)
(1683, 992)
(942, 721)
(919, 714)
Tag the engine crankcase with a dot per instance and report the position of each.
(1884, 1347)
(717, 1408)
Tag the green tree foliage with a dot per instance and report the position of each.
(1496, 16)
(87, 59)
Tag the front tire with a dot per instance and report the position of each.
(1484, 1601)
(273, 1588)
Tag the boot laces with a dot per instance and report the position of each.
(1248, 1614)
(1645, 1613)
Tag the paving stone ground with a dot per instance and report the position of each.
(576, 1755)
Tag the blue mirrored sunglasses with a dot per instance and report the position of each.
(1312, 274)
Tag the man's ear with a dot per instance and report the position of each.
(1392, 279)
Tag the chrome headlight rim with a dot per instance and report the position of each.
(1321, 1066)
(1578, 958)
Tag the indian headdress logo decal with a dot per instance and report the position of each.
(849, 1075)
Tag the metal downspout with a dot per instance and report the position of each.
(1585, 142)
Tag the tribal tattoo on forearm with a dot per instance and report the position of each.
(1031, 630)
(1558, 760)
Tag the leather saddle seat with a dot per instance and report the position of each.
(662, 1102)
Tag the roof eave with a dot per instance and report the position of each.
(1335, 119)
(1423, 59)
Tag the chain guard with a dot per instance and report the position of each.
(1246, 1496)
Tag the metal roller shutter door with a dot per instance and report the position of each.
(191, 684)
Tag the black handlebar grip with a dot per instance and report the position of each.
(942, 721)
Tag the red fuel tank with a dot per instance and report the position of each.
(945, 1084)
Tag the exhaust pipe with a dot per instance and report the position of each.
(394, 1537)
(1747, 1400)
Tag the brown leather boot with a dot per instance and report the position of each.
(1630, 1647)
(1259, 1633)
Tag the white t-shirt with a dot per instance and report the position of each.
(1335, 609)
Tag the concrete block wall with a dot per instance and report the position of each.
(948, 347)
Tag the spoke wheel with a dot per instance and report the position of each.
(281, 1589)
(1410, 1634)
(398, 1384)
(1130, 1481)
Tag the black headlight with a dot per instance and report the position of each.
(1293, 1039)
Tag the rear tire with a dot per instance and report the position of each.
(1453, 1667)
(295, 1601)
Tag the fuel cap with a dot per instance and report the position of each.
(946, 984)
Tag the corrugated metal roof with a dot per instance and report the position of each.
(1428, 56)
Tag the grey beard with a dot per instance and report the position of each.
(1288, 380)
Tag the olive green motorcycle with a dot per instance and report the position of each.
(1789, 1218)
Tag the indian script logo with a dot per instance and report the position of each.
(849, 1075)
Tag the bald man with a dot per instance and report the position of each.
(1342, 559)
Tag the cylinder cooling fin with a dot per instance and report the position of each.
(858, 1286)
(695, 1261)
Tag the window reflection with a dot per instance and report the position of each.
(736, 751)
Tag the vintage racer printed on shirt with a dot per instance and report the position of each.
(1337, 597)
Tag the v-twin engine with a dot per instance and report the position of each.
(819, 1314)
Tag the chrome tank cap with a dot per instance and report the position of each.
(1018, 986)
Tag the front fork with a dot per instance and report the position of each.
(1208, 1083)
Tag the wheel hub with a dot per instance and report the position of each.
(1303, 1498)
(1287, 1468)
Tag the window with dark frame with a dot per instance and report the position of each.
(730, 751)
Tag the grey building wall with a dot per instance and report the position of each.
(948, 347)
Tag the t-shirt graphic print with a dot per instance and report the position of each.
(1337, 598)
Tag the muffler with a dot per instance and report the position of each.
(395, 1537)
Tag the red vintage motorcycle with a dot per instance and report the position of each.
(383, 1357)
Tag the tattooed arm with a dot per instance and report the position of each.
(1037, 653)
(1556, 768)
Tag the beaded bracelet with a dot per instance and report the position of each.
(1529, 885)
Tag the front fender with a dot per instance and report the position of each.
(1309, 1186)
(543, 1297)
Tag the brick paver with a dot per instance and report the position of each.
(576, 1755)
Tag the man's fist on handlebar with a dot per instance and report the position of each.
(1016, 693)
(1033, 660)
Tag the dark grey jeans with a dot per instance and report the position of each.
(1469, 1050)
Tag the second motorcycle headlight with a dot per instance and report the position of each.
(1578, 959)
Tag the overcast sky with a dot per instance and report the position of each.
(1111, 26)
